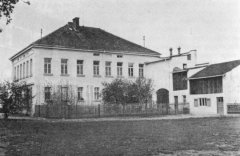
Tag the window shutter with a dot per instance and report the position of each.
(209, 102)
(195, 102)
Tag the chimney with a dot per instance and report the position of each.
(76, 22)
(179, 50)
(170, 50)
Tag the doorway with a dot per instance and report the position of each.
(220, 108)
(176, 104)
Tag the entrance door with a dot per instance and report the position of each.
(163, 100)
(176, 104)
(220, 109)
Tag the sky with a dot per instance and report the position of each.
(212, 27)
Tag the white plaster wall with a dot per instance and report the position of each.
(231, 87)
(88, 82)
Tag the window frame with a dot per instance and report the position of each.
(96, 93)
(119, 69)
(130, 69)
(47, 65)
(108, 68)
(64, 66)
(47, 94)
(96, 66)
(80, 94)
(80, 67)
(141, 70)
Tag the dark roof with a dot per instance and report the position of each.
(89, 38)
(216, 69)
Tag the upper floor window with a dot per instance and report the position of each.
(140, 70)
(18, 77)
(108, 68)
(184, 66)
(15, 73)
(20, 71)
(95, 68)
(189, 57)
(47, 93)
(119, 56)
(180, 81)
(24, 70)
(96, 93)
(27, 69)
(119, 69)
(64, 66)
(47, 65)
(80, 94)
(31, 64)
(96, 54)
(130, 69)
(79, 67)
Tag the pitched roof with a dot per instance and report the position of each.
(216, 69)
(89, 38)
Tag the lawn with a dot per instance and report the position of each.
(32, 137)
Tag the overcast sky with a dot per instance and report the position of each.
(212, 27)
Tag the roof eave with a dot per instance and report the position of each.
(194, 78)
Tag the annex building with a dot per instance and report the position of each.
(80, 59)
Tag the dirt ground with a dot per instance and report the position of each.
(192, 136)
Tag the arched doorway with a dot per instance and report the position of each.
(163, 100)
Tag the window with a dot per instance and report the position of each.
(47, 65)
(64, 93)
(20, 71)
(47, 91)
(119, 56)
(80, 94)
(79, 67)
(180, 81)
(119, 69)
(184, 99)
(189, 57)
(108, 68)
(96, 93)
(24, 70)
(202, 102)
(27, 70)
(140, 70)
(64, 66)
(184, 66)
(31, 67)
(15, 73)
(96, 68)
(96, 54)
(130, 69)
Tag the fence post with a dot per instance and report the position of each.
(99, 109)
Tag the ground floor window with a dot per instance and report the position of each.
(80, 94)
(64, 93)
(96, 93)
(47, 93)
(202, 102)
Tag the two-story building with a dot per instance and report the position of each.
(81, 57)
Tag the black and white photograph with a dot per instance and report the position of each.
(119, 78)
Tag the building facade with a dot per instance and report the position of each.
(78, 59)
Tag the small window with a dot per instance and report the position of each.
(119, 56)
(189, 57)
(184, 99)
(203, 101)
(184, 66)
(96, 54)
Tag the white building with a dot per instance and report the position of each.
(216, 89)
(81, 57)
(170, 78)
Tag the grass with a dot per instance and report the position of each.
(27, 137)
